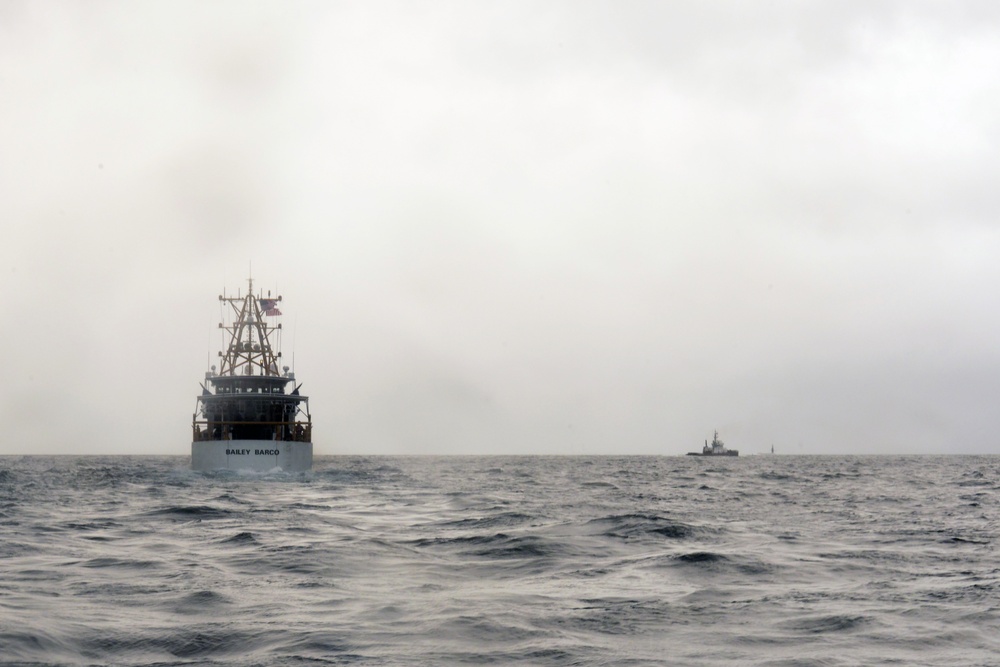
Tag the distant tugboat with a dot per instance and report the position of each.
(715, 449)
(248, 422)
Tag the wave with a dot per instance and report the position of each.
(244, 537)
(627, 526)
(502, 546)
(826, 624)
(120, 563)
(503, 519)
(701, 557)
(189, 512)
(200, 603)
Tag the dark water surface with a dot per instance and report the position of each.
(768, 560)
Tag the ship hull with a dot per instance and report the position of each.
(258, 455)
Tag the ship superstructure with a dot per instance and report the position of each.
(245, 419)
(716, 448)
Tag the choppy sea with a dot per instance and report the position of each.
(766, 560)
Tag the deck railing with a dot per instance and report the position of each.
(296, 431)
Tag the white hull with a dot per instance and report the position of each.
(260, 455)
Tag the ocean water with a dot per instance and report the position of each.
(767, 560)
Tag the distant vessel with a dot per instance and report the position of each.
(249, 422)
(715, 449)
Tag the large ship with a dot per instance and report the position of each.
(245, 419)
(715, 449)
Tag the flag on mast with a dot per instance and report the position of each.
(269, 307)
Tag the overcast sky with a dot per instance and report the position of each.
(508, 227)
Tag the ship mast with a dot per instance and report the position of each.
(249, 350)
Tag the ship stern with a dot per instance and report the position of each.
(253, 455)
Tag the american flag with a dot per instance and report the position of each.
(269, 307)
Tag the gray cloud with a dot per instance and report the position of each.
(559, 228)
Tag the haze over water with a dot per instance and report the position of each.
(569, 227)
(766, 560)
